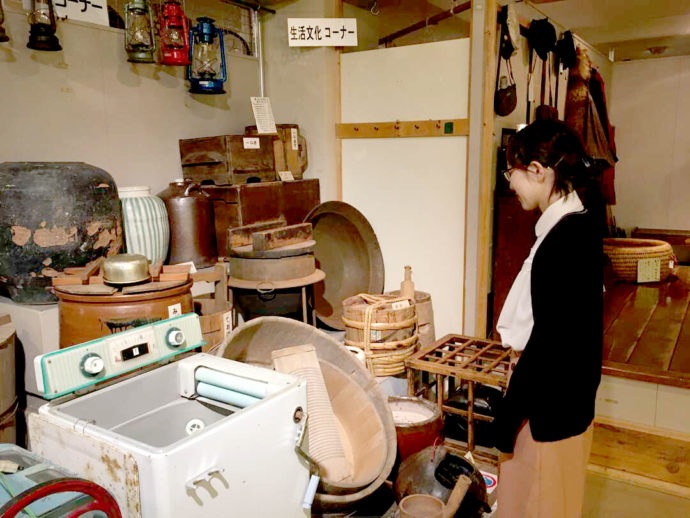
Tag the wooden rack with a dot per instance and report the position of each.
(466, 360)
(393, 129)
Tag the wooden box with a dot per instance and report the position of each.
(228, 159)
(289, 149)
(239, 205)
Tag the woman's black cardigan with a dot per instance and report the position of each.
(555, 381)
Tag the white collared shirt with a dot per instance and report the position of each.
(516, 320)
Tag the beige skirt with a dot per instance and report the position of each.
(543, 479)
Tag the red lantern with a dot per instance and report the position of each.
(174, 34)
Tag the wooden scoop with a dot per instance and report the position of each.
(456, 496)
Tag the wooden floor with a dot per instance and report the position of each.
(647, 330)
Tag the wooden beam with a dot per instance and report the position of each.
(486, 154)
(427, 128)
(339, 13)
(432, 20)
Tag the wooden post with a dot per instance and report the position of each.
(470, 415)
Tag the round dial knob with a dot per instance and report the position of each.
(174, 337)
(92, 364)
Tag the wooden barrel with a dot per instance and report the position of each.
(8, 391)
(425, 316)
(418, 424)
(86, 317)
(391, 332)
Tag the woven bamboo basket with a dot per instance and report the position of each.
(384, 327)
(625, 253)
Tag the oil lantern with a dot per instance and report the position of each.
(139, 41)
(3, 34)
(207, 71)
(42, 22)
(174, 34)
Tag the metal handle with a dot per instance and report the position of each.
(193, 186)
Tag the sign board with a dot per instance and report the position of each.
(263, 115)
(322, 32)
(92, 11)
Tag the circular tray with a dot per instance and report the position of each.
(348, 251)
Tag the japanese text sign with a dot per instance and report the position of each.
(92, 11)
(322, 32)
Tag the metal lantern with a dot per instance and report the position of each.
(207, 71)
(140, 43)
(42, 22)
(3, 34)
(174, 34)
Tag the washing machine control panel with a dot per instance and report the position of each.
(84, 365)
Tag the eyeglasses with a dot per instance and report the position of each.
(507, 173)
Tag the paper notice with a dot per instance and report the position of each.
(263, 115)
(649, 270)
(286, 176)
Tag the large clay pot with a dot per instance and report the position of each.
(192, 231)
(87, 317)
(53, 215)
(147, 231)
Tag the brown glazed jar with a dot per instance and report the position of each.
(192, 227)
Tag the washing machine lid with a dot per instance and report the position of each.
(82, 367)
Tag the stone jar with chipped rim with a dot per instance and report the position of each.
(53, 215)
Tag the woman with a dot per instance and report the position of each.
(552, 319)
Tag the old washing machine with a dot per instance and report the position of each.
(201, 436)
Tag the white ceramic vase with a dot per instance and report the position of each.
(145, 223)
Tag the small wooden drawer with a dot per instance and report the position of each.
(228, 159)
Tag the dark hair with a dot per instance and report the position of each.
(552, 144)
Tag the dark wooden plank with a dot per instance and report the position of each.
(635, 372)
(615, 299)
(680, 362)
(277, 237)
(657, 344)
(621, 338)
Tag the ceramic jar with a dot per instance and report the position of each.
(146, 223)
(192, 226)
(53, 215)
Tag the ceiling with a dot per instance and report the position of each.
(629, 27)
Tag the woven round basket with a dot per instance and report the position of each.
(625, 253)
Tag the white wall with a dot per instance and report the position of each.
(651, 110)
(302, 83)
(88, 104)
(412, 190)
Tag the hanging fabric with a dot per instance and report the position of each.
(505, 96)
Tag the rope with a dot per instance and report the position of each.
(384, 358)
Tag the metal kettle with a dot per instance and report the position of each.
(192, 227)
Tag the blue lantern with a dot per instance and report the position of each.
(207, 71)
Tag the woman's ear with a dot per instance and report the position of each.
(538, 170)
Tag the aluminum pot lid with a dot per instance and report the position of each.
(348, 252)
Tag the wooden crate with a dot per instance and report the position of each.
(240, 205)
(465, 360)
(226, 159)
(289, 149)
